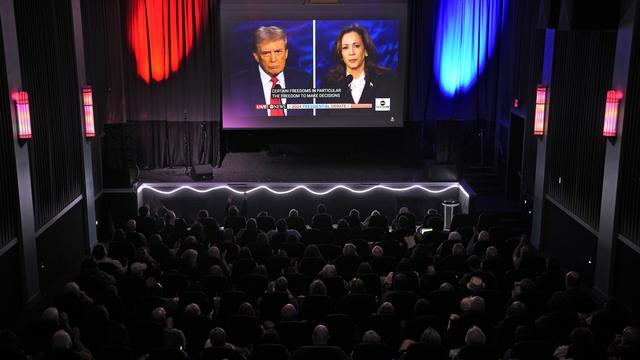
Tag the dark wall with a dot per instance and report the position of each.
(48, 74)
(628, 184)
(568, 241)
(625, 283)
(11, 299)
(582, 73)
(61, 248)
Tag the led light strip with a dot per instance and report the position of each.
(264, 187)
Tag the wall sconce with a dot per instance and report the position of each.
(541, 105)
(611, 113)
(21, 99)
(87, 103)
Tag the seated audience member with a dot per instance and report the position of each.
(283, 228)
(99, 254)
(372, 348)
(320, 348)
(476, 347)
(145, 223)
(446, 247)
(574, 296)
(429, 347)
(322, 220)
(581, 346)
(411, 219)
(65, 346)
(353, 219)
(9, 348)
(248, 235)
(173, 338)
(295, 221)
(347, 263)
(234, 220)
(625, 346)
(265, 221)
(217, 347)
(377, 220)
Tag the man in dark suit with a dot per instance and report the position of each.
(253, 86)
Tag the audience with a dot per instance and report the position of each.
(255, 289)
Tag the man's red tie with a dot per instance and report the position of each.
(275, 101)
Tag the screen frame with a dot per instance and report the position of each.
(231, 11)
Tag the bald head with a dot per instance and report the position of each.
(61, 340)
(288, 313)
(159, 315)
(50, 315)
(71, 288)
(371, 337)
(386, 309)
(320, 335)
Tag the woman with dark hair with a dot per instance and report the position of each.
(357, 72)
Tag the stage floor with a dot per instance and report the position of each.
(262, 167)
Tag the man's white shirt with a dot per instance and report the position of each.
(266, 87)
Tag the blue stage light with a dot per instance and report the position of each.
(466, 33)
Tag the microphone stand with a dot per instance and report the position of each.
(203, 148)
(187, 148)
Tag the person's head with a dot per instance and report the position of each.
(364, 268)
(320, 335)
(143, 211)
(349, 249)
(430, 336)
(312, 251)
(477, 304)
(270, 49)
(281, 225)
(288, 313)
(233, 210)
(321, 209)
(491, 252)
(317, 287)
(357, 286)
(61, 340)
(270, 336)
(293, 213)
(130, 225)
(329, 270)
(377, 251)
(455, 236)
(354, 213)
(50, 315)
(281, 284)
(401, 282)
(192, 310)
(371, 337)
(353, 49)
(217, 337)
(159, 316)
(252, 224)
(386, 309)
(516, 310)
(572, 280)
(137, 269)
(457, 249)
(203, 214)
(484, 236)
(99, 252)
(246, 309)
(343, 225)
(475, 336)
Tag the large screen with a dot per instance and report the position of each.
(286, 64)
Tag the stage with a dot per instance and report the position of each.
(263, 167)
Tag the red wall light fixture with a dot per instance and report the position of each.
(21, 99)
(611, 113)
(87, 103)
(541, 104)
